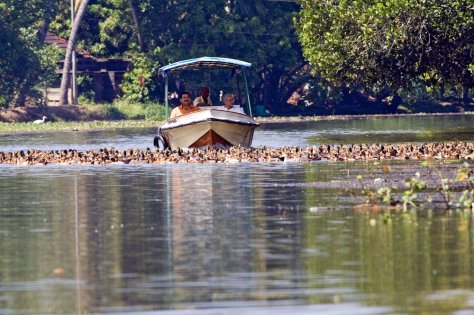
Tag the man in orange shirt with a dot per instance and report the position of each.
(186, 106)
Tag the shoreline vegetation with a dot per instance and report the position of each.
(139, 115)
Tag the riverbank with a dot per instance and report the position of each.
(53, 113)
(75, 118)
(119, 110)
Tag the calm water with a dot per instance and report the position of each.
(228, 239)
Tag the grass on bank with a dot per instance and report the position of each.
(124, 110)
(75, 125)
(120, 114)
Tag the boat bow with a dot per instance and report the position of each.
(209, 127)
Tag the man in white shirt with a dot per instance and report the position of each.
(228, 100)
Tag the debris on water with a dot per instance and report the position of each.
(367, 152)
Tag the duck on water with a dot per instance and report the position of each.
(365, 152)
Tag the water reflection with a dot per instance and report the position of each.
(253, 236)
(429, 128)
(121, 139)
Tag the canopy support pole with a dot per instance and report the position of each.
(166, 98)
(247, 93)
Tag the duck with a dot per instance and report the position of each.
(428, 151)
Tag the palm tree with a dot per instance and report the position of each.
(71, 45)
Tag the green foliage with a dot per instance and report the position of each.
(260, 32)
(110, 111)
(123, 109)
(388, 43)
(231, 29)
(86, 89)
(373, 48)
(414, 186)
(448, 188)
(385, 194)
(148, 110)
(10, 59)
(68, 125)
(22, 57)
(140, 84)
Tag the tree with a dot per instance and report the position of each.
(25, 65)
(29, 80)
(108, 27)
(71, 45)
(136, 21)
(392, 44)
(156, 32)
(257, 31)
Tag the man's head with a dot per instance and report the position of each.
(204, 91)
(185, 99)
(228, 100)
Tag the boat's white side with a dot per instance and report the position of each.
(187, 130)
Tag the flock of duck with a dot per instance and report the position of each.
(427, 151)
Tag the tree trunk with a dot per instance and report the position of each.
(465, 94)
(441, 90)
(28, 81)
(287, 84)
(137, 25)
(396, 100)
(71, 45)
(467, 83)
(49, 14)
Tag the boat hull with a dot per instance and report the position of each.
(209, 127)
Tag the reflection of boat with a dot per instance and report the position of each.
(213, 125)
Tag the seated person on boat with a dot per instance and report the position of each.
(203, 99)
(186, 106)
(228, 100)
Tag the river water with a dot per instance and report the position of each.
(283, 238)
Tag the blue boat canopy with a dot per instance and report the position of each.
(203, 62)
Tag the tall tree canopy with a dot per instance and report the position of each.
(257, 31)
(392, 44)
(23, 59)
(377, 45)
(156, 32)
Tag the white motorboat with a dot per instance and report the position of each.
(212, 126)
(209, 127)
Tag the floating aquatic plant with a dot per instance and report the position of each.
(455, 191)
